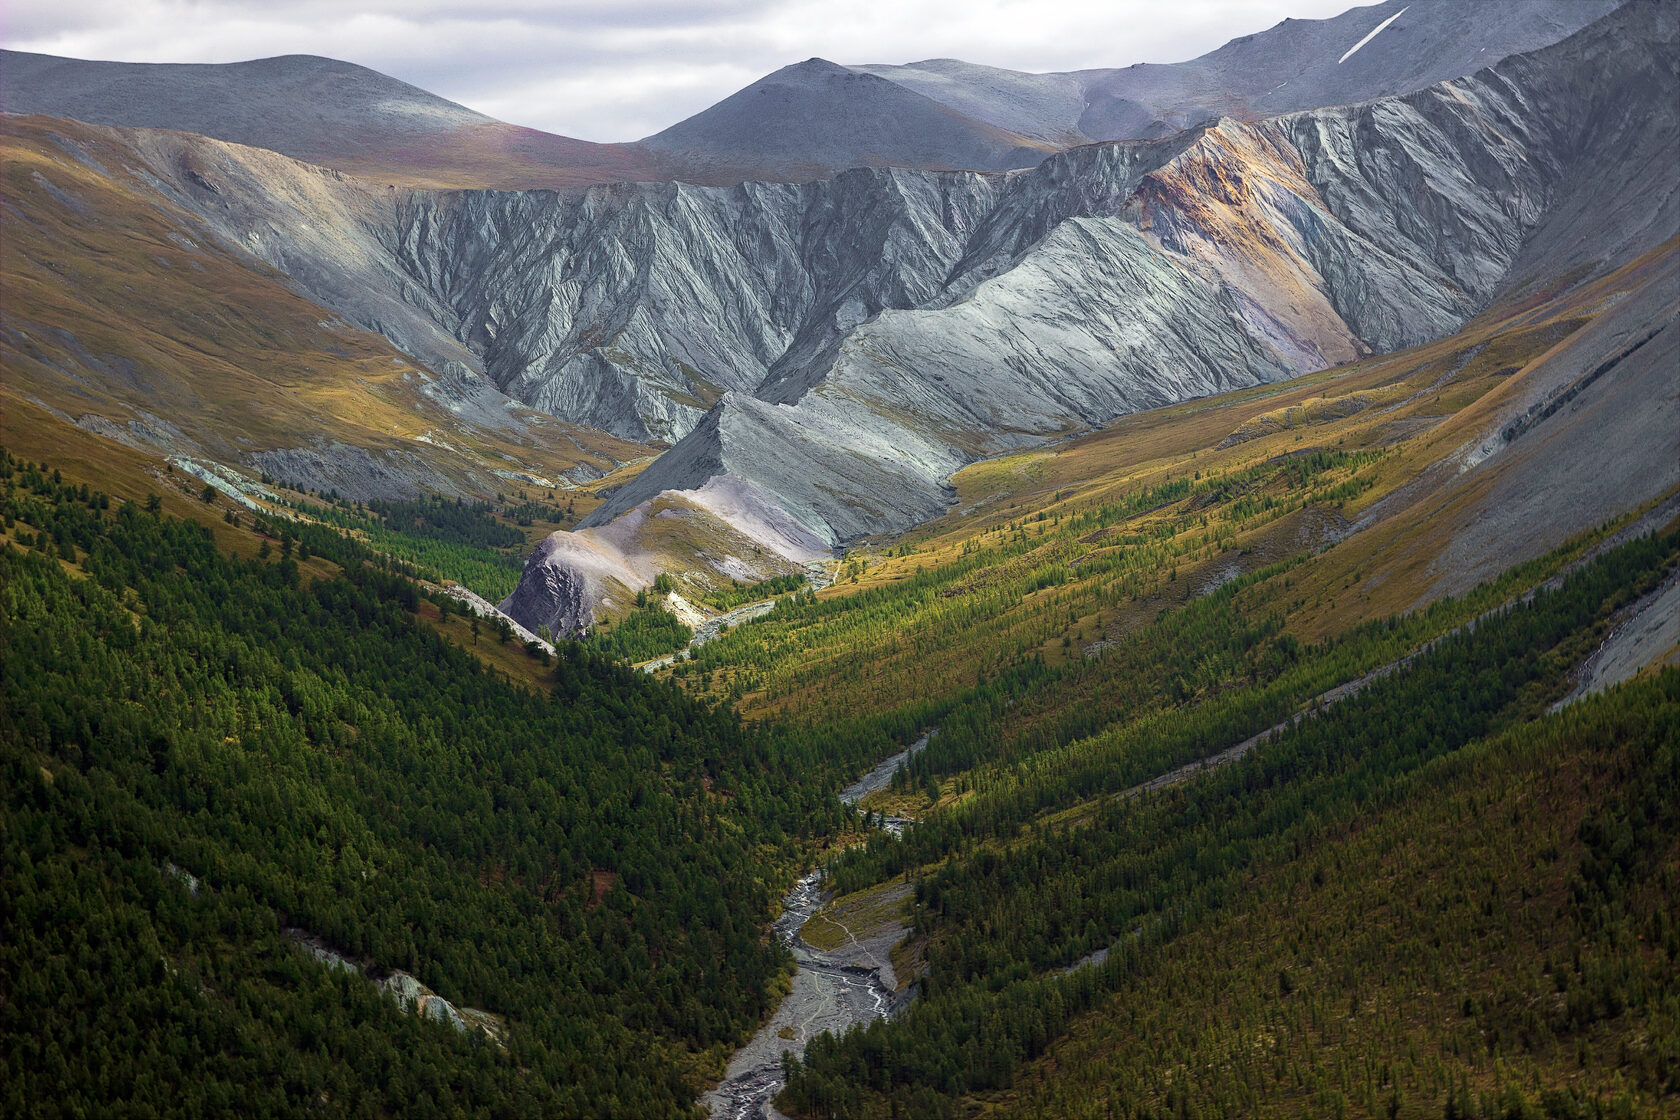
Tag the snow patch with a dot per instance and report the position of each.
(1375, 31)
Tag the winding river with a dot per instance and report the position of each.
(832, 989)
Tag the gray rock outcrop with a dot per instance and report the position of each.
(825, 354)
(553, 591)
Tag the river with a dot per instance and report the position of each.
(832, 989)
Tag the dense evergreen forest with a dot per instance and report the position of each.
(593, 866)
(739, 593)
(647, 631)
(1010, 899)
(212, 763)
(440, 538)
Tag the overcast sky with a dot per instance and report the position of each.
(605, 70)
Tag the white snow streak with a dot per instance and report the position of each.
(1374, 32)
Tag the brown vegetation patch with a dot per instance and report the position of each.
(600, 882)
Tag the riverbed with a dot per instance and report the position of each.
(832, 989)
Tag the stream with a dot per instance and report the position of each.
(832, 989)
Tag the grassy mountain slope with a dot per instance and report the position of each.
(124, 317)
(1092, 615)
(1495, 938)
(1480, 931)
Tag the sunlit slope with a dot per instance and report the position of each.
(1477, 928)
(125, 317)
(1369, 926)
(1384, 484)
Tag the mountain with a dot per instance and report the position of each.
(1390, 48)
(1255, 252)
(1243, 566)
(882, 328)
(815, 118)
(128, 319)
(320, 110)
(805, 121)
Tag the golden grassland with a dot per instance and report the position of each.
(859, 915)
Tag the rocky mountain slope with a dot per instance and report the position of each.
(964, 311)
(128, 318)
(1394, 47)
(1176, 269)
(827, 353)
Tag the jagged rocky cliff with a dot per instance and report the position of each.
(1119, 277)
(827, 353)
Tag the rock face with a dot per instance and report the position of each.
(1120, 277)
(835, 349)
(714, 532)
(826, 353)
(553, 591)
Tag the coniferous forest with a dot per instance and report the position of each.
(592, 865)
(223, 771)
(1043, 588)
(1034, 925)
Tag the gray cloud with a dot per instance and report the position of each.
(618, 71)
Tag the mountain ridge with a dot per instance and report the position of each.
(822, 116)
(886, 326)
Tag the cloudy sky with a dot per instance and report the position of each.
(622, 69)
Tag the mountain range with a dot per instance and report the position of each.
(823, 354)
(1170, 575)
(805, 121)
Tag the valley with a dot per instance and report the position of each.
(1094, 607)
